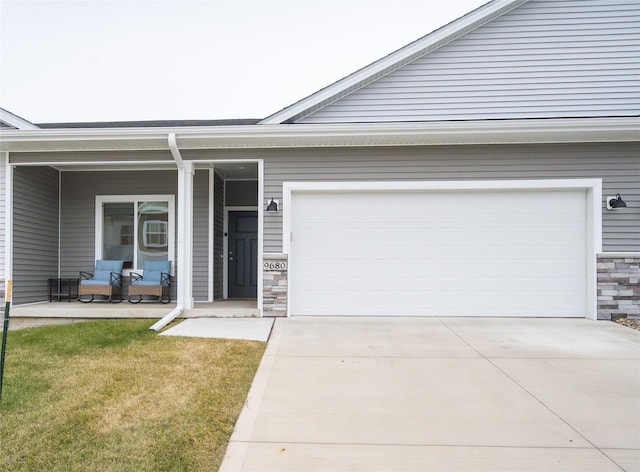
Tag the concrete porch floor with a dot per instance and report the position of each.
(39, 314)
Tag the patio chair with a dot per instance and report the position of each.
(156, 281)
(105, 280)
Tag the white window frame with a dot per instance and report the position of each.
(135, 199)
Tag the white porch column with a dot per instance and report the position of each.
(6, 226)
(185, 235)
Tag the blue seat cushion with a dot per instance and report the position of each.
(94, 282)
(146, 283)
(109, 266)
(102, 276)
(153, 271)
(103, 271)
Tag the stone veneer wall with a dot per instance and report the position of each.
(618, 285)
(275, 285)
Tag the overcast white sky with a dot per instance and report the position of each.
(114, 60)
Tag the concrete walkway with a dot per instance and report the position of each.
(442, 394)
(249, 329)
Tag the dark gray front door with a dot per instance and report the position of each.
(243, 254)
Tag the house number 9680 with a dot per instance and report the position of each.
(280, 265)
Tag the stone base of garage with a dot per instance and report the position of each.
(618, 285)
(275, 285)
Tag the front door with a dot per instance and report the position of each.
(243, 254)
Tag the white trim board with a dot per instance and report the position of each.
(16, 121)
(8, 222)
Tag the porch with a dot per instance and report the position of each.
(39, 314)
(204, 217)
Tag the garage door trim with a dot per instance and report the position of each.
(593, 205)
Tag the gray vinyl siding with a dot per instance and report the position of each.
(546, 58)
(201, 235)
(35, 232)
(79, 190)
(218, 237)
(618, 165)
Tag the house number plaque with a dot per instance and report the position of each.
(275, 265)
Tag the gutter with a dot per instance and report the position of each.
(177, 311)
(547, 130)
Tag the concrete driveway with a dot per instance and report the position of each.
(442, 394)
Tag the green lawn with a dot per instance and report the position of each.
(113, 396)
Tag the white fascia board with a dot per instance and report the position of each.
(565, 130)
(434, 40)
(14, 120)
(83, 140)
(414, 134)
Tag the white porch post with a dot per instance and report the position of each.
(185, 235)
(8, 218)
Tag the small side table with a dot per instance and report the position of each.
(63, 288)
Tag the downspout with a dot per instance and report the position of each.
(177, 311)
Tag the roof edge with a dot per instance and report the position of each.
(148, 123)
(395, 60)
(16, 121)
(557, 130)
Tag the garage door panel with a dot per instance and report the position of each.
(511, 253)
(487, 297)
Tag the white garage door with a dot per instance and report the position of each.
(450, 253)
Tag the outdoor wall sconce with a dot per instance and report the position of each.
(273, 206)
(613, 203)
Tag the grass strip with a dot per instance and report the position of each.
(112, 396)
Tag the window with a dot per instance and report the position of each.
(135, 228)
(154, 233)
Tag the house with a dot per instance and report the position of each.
(468, 173)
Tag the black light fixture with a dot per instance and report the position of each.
(615, 202)
(273, 206)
